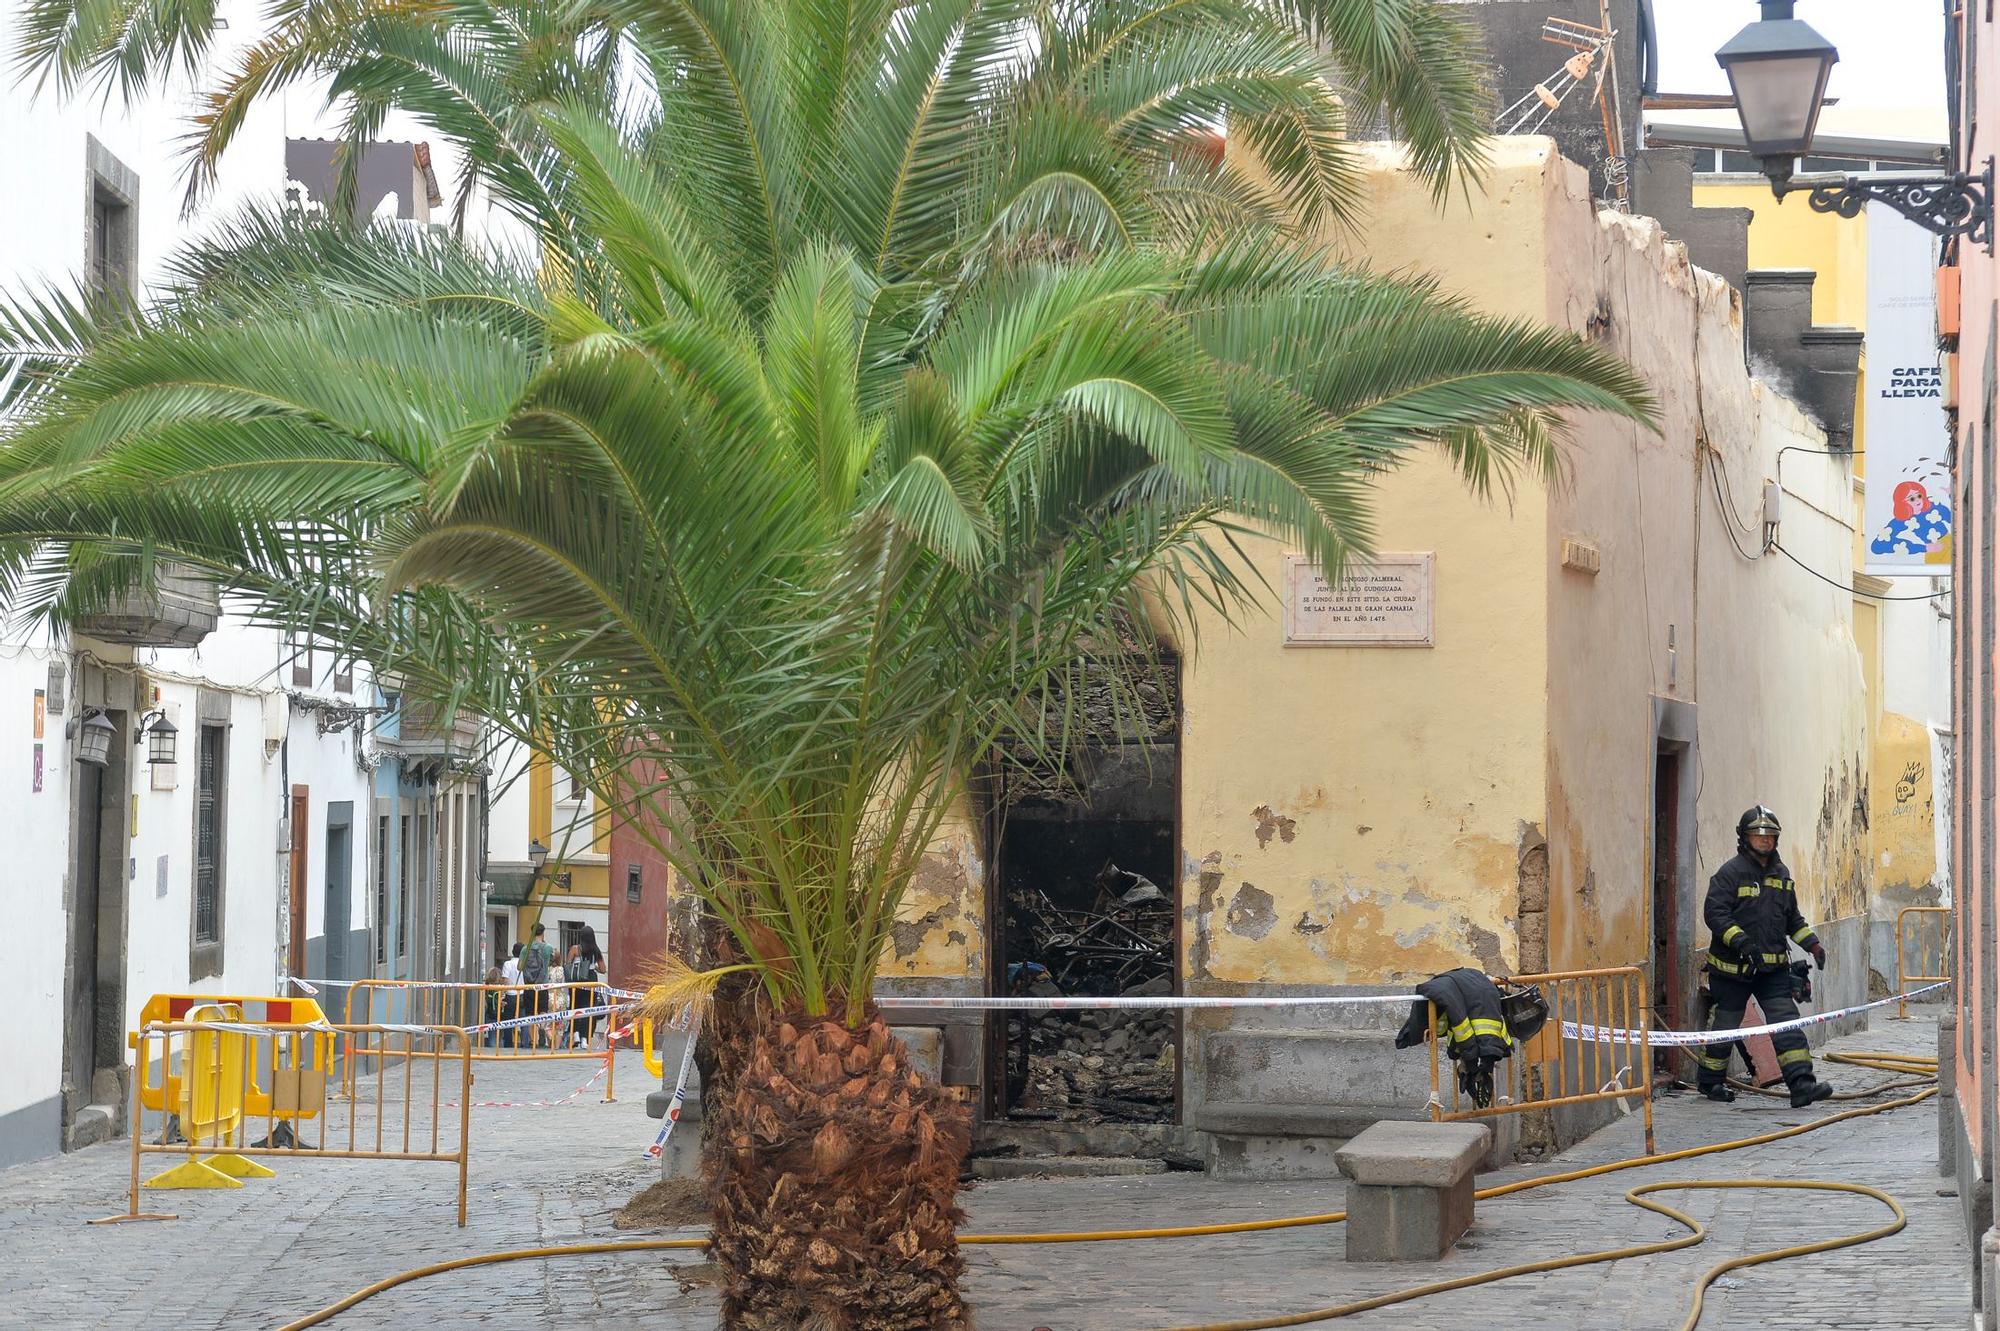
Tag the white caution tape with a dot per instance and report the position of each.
(1622, 1035)
(595, 1077)
(673, 1114)
(1069, 1004)
(392, 986)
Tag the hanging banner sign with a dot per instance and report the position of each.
(1909, 503)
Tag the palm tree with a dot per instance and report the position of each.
(875, 366)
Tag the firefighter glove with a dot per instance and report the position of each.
(1819, 954)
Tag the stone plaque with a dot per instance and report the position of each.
(1385, 602)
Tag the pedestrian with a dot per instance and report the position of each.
(510, 997)
(491, 1007)
(535, 999)
(555, 1001)
(585, 963)
(1752, 913)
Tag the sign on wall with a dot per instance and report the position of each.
(1385, 602)
(1908, 512)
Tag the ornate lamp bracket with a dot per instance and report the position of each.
(1954, 205)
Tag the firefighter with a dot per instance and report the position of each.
(1753, 918)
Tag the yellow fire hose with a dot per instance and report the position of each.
(1900, 1064)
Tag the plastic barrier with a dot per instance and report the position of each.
(235, 1071)
(1550, 1070)
(160, 1009)
(1932, 922)
(210, 1104)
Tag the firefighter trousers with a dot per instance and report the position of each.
(1773, 991)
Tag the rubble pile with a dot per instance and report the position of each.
(1093, 1066)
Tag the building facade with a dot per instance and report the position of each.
(303, 825)
(1968, 1044)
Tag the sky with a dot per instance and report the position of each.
(1891, 51)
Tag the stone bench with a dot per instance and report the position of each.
(1410, 1195)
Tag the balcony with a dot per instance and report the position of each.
(424, 730)
(178, 610)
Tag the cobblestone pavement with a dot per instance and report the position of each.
(278, 1248)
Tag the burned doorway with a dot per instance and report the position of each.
(1084, 887)
(1674, 854)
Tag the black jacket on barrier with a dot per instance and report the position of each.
(1469, 1017)
(1752, 913)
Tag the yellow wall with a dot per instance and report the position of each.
(1902, 818)
(1790, 235)
(940, 929)
(580, 851)
(1359, 814)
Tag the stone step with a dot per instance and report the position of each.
(1062, 1166)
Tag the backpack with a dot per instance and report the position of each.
(535, 963)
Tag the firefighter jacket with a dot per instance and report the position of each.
(1752, 913)
(1469, 1016)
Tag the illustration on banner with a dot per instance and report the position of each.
(1920, 522)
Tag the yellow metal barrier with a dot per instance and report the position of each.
(424, 1003)
(224, 1065)
(1927, 917)
(1550, 1070)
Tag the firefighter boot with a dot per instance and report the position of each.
(1809, 1090)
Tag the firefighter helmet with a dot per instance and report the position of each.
(1525, 1011)
(1755, 819)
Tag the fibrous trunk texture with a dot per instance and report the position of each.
(834, 1166)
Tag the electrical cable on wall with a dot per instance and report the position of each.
(1855, 591)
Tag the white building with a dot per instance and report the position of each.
(304, 826)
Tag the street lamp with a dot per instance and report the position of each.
(1778, 67)
(1777, 70)
(538, 856)
(93, 732)
(159, 735)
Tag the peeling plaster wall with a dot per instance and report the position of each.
(940, 929)
(1358, 815)
(1361, 817)
(1764, 653)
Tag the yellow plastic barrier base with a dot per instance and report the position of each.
(218, 1171)
(237, 1166)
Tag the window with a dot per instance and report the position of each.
(567, 933)
(299, 651)
(569, 787)
(634, 882)
(1848, 164)
(343, 674)
(1741, 161)
(111, 244)
(208, 813)
(403, 888)
(381, 889)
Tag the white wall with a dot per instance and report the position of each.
(43, 236)
(35, 895)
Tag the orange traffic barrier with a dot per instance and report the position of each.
(1549, 1070)
(1930, 938)
(234, 1071)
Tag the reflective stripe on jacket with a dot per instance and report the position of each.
(1752, 913)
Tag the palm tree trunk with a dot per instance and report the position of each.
(834, 1169)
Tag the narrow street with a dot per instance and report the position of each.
(280, 1248)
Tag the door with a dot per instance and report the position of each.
(84, 935)
(1669, 1002)
(295, 949)
(337, 921)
